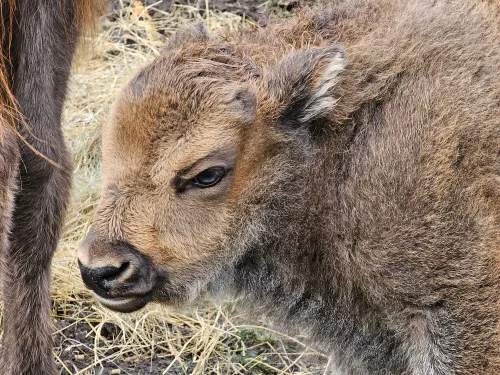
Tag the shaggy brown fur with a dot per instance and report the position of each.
(339, 172)
(38, 41)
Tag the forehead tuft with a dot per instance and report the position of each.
(178, 99)
(193, 67)
(188, 83)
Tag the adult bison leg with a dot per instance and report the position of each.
(43, 43)
(9, 158)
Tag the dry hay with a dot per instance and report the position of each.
(92, 340)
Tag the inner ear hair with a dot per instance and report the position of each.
(321, 100)
(304, 82)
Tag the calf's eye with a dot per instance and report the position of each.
(209, 177)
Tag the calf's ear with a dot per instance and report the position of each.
(303, 84)
(189, 34)
(242, 102)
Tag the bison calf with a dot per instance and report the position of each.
(339, 172)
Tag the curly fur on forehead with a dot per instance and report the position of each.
(194, 70)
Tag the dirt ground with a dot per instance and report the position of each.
(90, 340)
(252, 351)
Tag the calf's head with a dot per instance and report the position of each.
(201, 146)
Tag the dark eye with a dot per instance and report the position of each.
(209, 177)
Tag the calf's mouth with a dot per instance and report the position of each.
(124, 305)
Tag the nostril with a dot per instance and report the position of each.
(103, 278)
(110, 274)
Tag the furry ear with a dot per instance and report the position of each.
(194, 33)
(241, 101)
(303, 82)
(139, 82)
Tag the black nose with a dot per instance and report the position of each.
(114, 270)
(103, 279)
